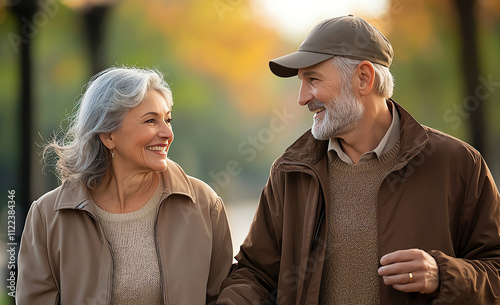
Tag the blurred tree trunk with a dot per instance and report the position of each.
(95, 19)
(474, 104)
(24, 10)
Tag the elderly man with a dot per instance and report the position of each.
(369, 206)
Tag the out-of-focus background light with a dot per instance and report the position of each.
(296, 18)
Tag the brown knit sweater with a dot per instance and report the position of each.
(351, 261)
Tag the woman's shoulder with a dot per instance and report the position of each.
(48, 200)
(179, 180)
(67, 195)
(201, 187)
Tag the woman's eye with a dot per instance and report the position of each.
(150, 121)
(168, 121)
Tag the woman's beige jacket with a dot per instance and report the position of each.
(64, 257)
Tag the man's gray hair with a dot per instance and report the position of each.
(109, 96)
(383, 83)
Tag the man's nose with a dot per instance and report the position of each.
(305, 94)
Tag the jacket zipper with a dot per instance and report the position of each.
(157, 244)
(110, 278)
(316, 229)
(323, 207)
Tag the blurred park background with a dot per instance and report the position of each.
(232, 117)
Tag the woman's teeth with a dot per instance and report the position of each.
(157, 148)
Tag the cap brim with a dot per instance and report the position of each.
(289, 65)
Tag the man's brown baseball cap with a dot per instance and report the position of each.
(346, 36)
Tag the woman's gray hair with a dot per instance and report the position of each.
(109, 96)
(383, 83)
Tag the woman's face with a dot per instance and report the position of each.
(141, 144)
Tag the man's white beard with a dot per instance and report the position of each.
(341, 115)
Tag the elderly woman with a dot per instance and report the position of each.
(127, 225)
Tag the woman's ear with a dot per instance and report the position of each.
(366, 77)
(107, 140)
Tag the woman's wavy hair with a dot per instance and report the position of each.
(110, 94)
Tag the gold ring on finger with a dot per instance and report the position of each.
(410, 275)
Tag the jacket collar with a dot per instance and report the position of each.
(413, 138)
(177, 182)
(75, 195)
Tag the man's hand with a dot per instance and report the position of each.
(397, 266)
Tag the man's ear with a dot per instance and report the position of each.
(365, 74)
(107, 140)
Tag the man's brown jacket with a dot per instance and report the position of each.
(440, 197)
